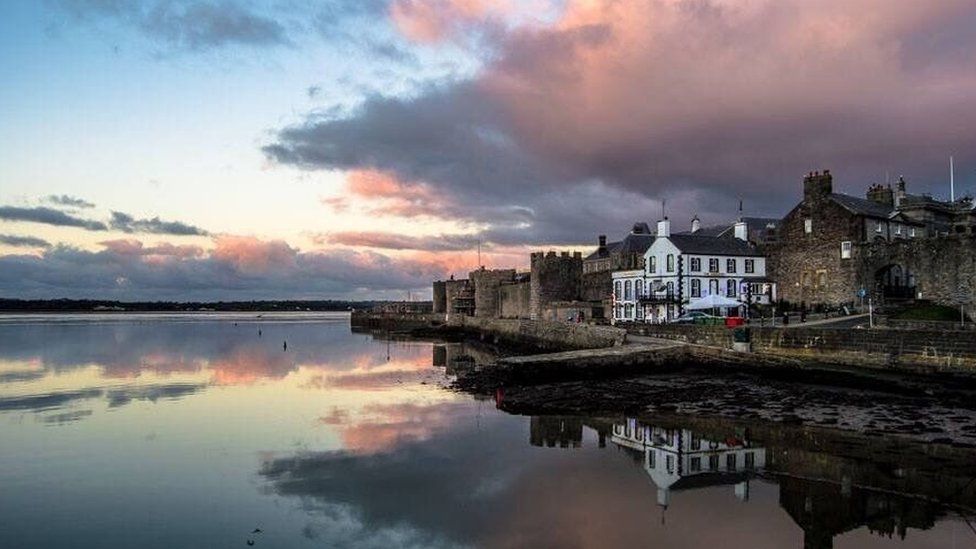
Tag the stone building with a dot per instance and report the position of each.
(627, 253)
(834, 248)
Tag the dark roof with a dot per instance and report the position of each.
(761, 222)
(601, 253)
(862, 206)
(634, 243)
(713, 230)
(712, 245)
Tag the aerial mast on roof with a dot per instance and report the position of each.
(952, 182)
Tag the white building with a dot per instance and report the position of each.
(681, 268)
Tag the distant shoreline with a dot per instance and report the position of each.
(96, 306)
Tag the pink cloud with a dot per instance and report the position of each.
(132, 247)
(248, 253)
(428, 21)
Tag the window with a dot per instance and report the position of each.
(696, 264)
(730, 462)
(877, 227)
(652, 265)
(898, 229)
(730, 265)
(695, 464)
(620, 312)
(695, 442)
(670, 289)
(713, 287)
(845, 249)
(616, 291)
(651, 459)
(670, 463)
(670, 263)
(750, 266)
(639, 289)
(808, 225)
(713, 264)
(629, 311)
(695, 287)
(628, 291)
(911, 232)
(730, 288)
(713, 462)
(750, 460)
(821, 279)
(805, 280)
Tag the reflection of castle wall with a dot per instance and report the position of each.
(824, 510)
(553, 431)
(457, 357)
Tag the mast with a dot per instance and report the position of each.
(952, 182)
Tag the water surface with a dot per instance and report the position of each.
(195, 430)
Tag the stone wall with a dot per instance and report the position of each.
(452, 288)
(487, 283)
(554, 278)
(943, 267)
(596, 286)
(515, 300)
(807, 266)
(902, 350)
(556, 336)
(440, 296)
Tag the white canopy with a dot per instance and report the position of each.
(711, 302)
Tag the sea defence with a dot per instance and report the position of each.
(520, 333)
(573, 351)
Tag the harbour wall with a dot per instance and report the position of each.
(539, 334)
(920, 351)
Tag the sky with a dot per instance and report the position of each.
(358, 149)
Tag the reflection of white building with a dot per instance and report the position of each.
(678, 459)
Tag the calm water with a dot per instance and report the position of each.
(161, 431)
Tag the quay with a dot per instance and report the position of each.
(563, 350)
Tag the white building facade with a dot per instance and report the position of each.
(682, 268)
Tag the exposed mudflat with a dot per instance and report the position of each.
(914, 409)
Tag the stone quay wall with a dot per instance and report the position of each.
(922, 351)
(551, 336)
(557, 336)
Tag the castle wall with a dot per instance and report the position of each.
(554, 278)
(515, 300)
(487, 284)
(439, 297)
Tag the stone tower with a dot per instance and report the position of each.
(554, 278)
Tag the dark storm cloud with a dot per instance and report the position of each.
(397, 241)
(126, 223)
(189, 25)
(623, 104)
(69, 201)
(23, 241)
(49, 216)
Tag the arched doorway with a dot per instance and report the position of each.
(894, 281)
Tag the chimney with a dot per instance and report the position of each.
(817, 185)
(741, 230)
(663, 228)
(695, 224)
(881, 194)
(602, 240)
(900, 193)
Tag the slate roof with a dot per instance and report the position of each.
(712, 245)
(862, 206)
(634, 243)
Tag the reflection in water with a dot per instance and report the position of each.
(193, 433)
(679, 459)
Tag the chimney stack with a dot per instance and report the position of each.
(695, 224)
(742, 230)
(663, 228)
(817, 185)
(602, 240)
